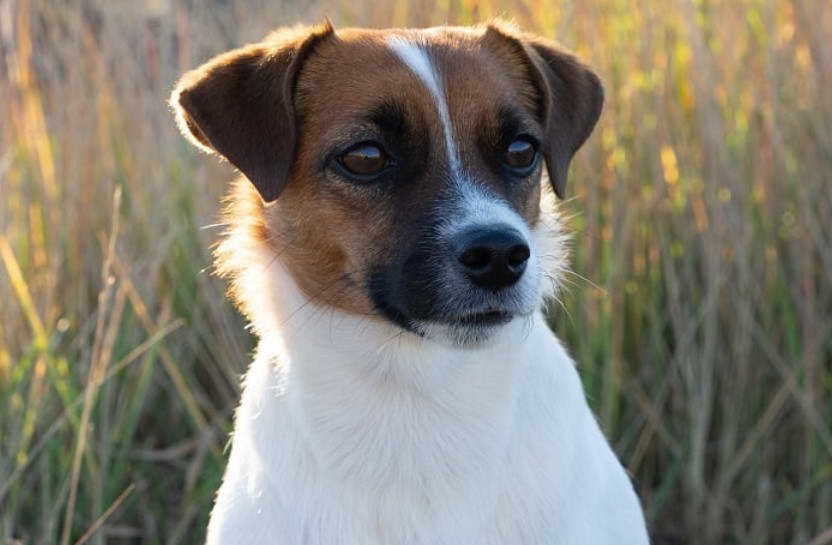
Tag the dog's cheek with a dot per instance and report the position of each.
(529, 201)
(420, 283)
(332, 247)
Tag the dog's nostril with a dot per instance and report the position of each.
(476, 258)
(518, 255)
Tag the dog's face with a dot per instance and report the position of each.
(399, 172)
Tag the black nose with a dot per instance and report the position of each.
(493, 257)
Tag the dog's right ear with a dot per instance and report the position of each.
(240, 105)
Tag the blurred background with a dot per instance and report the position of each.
(700, 308)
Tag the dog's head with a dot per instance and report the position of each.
(398, 172)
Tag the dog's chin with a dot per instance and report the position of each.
(469, 331)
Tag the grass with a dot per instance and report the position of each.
(700, 309)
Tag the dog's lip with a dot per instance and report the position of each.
(490, 317)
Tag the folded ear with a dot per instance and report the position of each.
(240, 105)
(570, 97)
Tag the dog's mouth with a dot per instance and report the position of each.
(487, 318)
(473, 328)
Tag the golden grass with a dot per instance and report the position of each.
(700, 310)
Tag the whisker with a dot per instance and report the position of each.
(585, 279)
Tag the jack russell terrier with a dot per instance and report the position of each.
(391, 244)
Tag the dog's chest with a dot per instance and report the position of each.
(435, 493)
(504, 509)
(329, 456)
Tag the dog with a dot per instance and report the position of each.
(392, 240)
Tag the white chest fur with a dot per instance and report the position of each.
(351, 432)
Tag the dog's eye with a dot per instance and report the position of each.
(366, 159)
(520, 155)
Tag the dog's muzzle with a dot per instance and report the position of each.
(474, 278)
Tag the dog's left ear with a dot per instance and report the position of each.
(570, 96)
(240, 105)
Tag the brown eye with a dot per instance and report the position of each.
(520, 154)
(364, 160)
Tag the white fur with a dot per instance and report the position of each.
(353, 432)
(416, 58)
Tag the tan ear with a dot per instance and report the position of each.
(570, 97)
(240, 105)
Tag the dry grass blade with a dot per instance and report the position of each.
(97, 364)
(24, 297)
(105, 515)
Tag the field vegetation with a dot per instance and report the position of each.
(700, 307)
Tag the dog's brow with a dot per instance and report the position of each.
(511, 122)
(417, 59)
(389, 117)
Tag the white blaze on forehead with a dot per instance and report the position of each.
(472, 204)
(417, 59)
